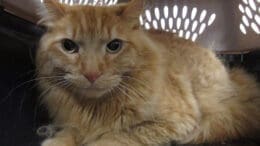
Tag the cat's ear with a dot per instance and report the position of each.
(50, 10)
(132, 12)
(134, 8)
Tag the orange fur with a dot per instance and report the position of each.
(158, 88)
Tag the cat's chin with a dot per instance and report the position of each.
(92, 93)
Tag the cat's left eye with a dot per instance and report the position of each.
(114, 46)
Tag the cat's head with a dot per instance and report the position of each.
(91, 49)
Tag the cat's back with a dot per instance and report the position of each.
(185, 57)
(168, 39)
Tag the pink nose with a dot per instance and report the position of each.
(92, 77)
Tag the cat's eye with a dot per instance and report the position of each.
(70, 46)
(114, 46)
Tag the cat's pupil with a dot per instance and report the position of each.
(70, 46)
(114, 46)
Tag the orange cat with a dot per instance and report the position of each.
(107, 82)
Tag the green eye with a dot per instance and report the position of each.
(114, 46)
(70, 46)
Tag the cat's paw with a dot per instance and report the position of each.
(54, 142)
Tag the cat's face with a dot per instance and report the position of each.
(90, 49)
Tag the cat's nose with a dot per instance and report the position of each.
(92, 77)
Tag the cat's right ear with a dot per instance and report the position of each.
(49, 11)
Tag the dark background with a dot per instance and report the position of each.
(20, 111)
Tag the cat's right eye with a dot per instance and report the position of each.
(70, 46)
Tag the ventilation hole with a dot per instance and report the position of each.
(157, 13)
(141, 20)
(242, 28)
(187, 36)
(194, 26)
(86, 2)
(250, 19)
(245, 1)
(175, 11)
(71, 2)
(193, 13)
(148, 15)
(241, 8)
(203, 15)
(178, 23)
(211, 19)
(166, 11)
(184, 11)
(249, 13)
(194, 37)
(170, 23)
(110, 2)
(116, 1)
(245, 21)
(95, 2)
(163, 23)
(147, 25)
(181, 33)
(155, 24)
(186, 24)
(255, 28)
(202, 28)
(257, 19)
(252, 4)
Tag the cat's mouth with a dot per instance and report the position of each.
(92, 92)
(81, 87)
(92, 87)
(96, 90)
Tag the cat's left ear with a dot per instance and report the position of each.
(50, 10)
(132, 12)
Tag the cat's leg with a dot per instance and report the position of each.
(152, 133)
(66, 137)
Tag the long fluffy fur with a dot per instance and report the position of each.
(164, 88)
